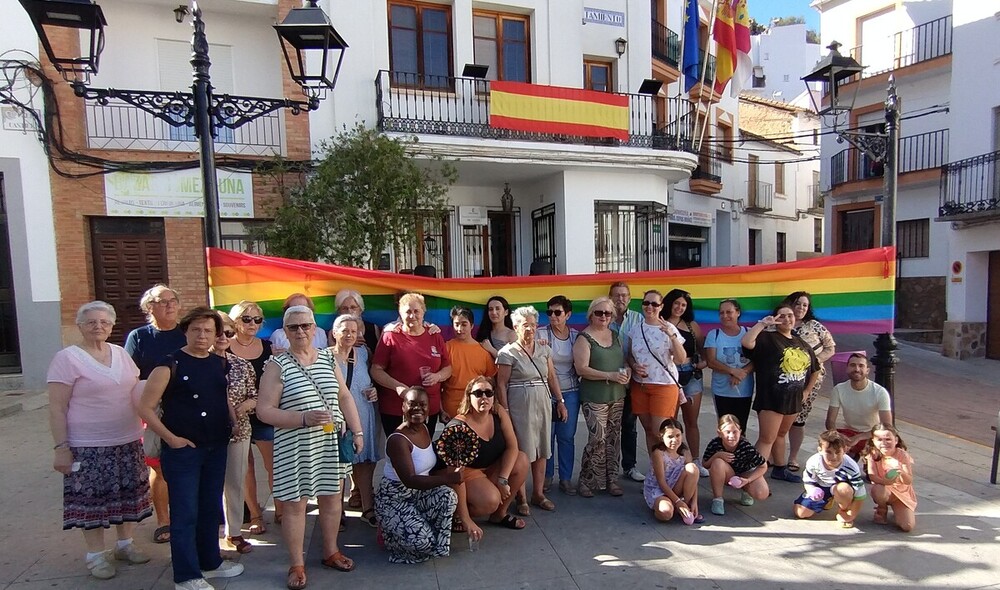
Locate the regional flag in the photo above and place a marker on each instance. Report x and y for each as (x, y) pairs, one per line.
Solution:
(744, 65)
(690, 64)
(552, 109)
(724, 33)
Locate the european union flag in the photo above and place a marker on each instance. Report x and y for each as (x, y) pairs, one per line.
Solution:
(689, 61)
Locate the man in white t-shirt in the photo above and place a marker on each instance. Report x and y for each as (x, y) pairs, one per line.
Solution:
(865, 404)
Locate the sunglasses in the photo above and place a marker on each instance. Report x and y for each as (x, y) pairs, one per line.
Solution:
(297, 327)
(482, 392)
(555, 312)
(651, 304)
(603, 314)
(246, 319)
(229, 333)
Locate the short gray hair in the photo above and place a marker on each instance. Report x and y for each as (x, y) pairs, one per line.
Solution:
(95, 306)
(345, 318)
(146, 301)
(519, 315)
(297, 309)
(345, 294)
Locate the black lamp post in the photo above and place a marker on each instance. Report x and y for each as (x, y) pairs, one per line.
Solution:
(882, 147)
(304, 31)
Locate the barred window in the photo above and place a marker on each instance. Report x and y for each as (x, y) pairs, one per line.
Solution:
(913, 238)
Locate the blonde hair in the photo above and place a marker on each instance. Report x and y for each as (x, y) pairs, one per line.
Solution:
(728, 419)
(242, 307)
(596, 302)
(409, 298)
(465, 406)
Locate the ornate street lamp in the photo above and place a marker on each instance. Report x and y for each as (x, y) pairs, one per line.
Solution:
(307, 31)
(881, 146)
(82, 15)
(620, 44)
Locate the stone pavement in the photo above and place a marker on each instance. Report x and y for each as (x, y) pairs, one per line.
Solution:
(603, 541)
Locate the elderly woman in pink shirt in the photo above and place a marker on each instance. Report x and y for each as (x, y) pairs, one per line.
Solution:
(96, 432)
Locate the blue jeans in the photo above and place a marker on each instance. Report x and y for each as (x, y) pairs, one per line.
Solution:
(563, 436)
(195, 478)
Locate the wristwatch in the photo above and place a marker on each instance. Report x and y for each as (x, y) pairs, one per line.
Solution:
(503, 481)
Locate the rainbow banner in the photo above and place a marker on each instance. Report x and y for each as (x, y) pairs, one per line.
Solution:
(553, 109)
(852, 293)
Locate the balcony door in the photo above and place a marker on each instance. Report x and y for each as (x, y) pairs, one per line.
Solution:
(491, 250)
(753, 166)
(10, 350)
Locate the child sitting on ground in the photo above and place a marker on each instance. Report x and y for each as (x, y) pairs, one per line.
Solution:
(671, 485)
(890, 469)
(830, 477)
(730, 459)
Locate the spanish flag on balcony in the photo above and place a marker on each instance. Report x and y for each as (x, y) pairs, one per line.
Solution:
(552, 109)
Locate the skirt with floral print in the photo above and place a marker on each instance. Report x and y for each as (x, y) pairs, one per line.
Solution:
(416, 524)
(111, 487)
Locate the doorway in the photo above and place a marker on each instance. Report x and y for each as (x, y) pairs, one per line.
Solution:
(993, 308)
(10, 350)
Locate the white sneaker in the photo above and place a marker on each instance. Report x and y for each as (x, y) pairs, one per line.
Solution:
(100, 567)
(635, 475)
(131, 554)
(227, 569)
(195, 584)
(701, 470)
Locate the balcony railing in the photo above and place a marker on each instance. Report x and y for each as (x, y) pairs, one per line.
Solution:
(666, 44)
(462, 108)
(709, 168)
(905, 48)
(971, 187)
(121, 126)
(916, 152)
(815, 197)
(760, 195)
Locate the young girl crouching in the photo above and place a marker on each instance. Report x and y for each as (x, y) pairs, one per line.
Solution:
(671, 485)
(890, 469)
(730, 459)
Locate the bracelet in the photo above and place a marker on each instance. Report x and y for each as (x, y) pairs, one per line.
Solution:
(303, 419)
(561, 401)
(359, 433)
(63, 445)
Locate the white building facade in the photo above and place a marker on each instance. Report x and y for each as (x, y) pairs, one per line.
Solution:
(780, 57)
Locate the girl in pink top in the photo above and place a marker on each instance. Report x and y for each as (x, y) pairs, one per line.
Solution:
(890, 469)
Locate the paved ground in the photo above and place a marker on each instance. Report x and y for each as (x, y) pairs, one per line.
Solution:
(603, 541)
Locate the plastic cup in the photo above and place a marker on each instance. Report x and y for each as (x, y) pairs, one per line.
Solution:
(328, 428)
(473, 544)
(424, 372)
(371, 393)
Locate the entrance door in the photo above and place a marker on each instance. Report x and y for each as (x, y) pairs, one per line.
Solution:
(130, 256)
(502, 244)
(993, 308)
(10, 355)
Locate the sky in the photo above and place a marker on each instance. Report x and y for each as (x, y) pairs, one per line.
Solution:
(764, 10)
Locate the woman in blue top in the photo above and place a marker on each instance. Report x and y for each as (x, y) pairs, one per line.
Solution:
(732, 371)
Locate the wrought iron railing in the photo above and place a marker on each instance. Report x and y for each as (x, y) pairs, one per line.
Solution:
(666, 44)
(709, 168)
(815, 197)
(121, 126)
(630, 237)
(760, 195)
(916, 152)
(462, 108)
(905, 48)
(971, 186)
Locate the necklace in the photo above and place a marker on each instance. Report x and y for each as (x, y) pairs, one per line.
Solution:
(245, 344)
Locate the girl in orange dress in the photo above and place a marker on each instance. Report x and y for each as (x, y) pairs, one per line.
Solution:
(890, 469)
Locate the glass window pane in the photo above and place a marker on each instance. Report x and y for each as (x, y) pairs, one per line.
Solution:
(404, 51)
(435, 20)
(435, 58)
(514, 30)
(486, 55)
(484, 26)
(599, 78)
(403, 16)
(514, 62)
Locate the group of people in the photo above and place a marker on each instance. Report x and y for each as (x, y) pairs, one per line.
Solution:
(317, 405)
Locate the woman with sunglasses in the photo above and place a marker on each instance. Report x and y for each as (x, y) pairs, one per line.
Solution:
(600, 362)
(678, 309)
(561, 337)
(488, 482)
(280, 340)
(248, 317)
(242, 390)
(656, 348)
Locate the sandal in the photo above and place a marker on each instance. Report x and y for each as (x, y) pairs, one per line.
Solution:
(296, 577)
(339, 562)
(257, 526)
(523, 509)
(615, 490)
(354, 501)
(457, 526)
(162, 534)
(545, 504)
(793, 466)
(584, 491)
(369, 517)
(509, 522)
(242, 545)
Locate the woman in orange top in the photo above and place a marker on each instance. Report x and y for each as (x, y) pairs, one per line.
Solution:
(468, 361)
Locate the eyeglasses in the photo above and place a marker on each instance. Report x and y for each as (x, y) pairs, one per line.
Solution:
(603, 314)
(101, 323)
(554, 312)
(246, 319)
(297, 327)
(482, 393)
(166, 302)
(651, 304)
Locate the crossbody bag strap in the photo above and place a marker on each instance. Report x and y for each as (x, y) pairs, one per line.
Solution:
(305, 373)
(537, 370)
(642, 329)
(350, 368)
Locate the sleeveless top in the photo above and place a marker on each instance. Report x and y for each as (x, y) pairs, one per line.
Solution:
(423, 459)
(690, 343)
(259, 362)
(196, 403)
(490, 450)
(608, 359)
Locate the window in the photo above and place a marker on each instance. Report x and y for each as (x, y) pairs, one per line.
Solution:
(781, 242)
(420, 44)
(174, 60)
(857, 229)
(687, 245)
(725, 136)
(431, 248)
(779, 178)
(630, 237)
(785, 78)
(597, 76)
(238, 236)
(754, 246)
(500, 41)
(817, 234)
(543, 239)
(913, 238)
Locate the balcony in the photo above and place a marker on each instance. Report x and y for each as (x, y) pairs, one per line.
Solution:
(760, 196)
(815, 199)
(924, 151)
(121, 126)
(666, 45)
(706, 179)
(905, 48)
(704, 90)
(456, 106)
(970, 189)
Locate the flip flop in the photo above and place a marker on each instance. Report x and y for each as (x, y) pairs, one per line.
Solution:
(162, 534)
(509, 522)
(545, 504)
(523, 509)
(296, 577)
(339, 562)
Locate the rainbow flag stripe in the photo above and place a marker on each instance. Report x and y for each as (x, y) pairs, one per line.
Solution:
(852, 293)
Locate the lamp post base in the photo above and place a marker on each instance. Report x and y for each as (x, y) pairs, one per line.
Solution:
(885, 361)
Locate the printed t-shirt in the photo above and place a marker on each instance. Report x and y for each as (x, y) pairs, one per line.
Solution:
(402, 355)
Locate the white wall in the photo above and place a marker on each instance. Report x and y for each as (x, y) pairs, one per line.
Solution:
(783, 52)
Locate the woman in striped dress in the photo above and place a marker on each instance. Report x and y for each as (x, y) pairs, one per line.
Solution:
(301, 395)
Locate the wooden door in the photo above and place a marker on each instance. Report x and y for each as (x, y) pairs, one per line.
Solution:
(10, 350)
(993, 308)
(501, 235)
(130, 256)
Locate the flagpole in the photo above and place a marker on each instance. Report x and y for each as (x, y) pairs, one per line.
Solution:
(680, 82)
(701, 80)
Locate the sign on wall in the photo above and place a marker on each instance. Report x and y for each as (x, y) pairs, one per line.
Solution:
(176, 194)
(603, 17)
(691, 217)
